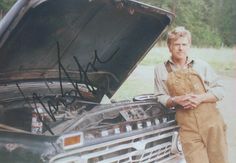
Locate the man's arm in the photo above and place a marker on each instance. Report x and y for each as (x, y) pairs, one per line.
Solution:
(160, 89)
(190, 101)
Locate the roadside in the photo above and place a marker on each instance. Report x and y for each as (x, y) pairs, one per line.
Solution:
(227, 108)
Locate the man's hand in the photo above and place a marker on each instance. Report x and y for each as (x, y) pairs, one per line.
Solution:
(186, 101)
(191, 101)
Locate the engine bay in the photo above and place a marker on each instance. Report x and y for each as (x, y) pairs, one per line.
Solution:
(52, 115)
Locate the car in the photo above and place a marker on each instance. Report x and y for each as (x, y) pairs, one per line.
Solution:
(58, 60)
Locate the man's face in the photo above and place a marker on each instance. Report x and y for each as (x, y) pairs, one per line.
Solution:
(179, 48)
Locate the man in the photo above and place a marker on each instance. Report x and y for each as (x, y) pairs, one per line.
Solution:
(192, 88)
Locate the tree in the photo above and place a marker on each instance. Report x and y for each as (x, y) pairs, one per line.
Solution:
(5, 6)
(212, 22)
(225, 21)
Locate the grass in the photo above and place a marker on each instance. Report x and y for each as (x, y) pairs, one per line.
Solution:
(223, 60)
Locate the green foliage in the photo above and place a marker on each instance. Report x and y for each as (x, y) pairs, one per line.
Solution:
(211, 22)
(204, 36)
(6, 4)
(226, 21)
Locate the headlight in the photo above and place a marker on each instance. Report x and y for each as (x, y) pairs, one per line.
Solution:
(176, 144)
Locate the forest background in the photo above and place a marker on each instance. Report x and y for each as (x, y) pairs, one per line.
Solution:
(212, 22)
(213, 27)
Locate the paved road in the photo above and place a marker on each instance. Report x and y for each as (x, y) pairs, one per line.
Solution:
(228, 110)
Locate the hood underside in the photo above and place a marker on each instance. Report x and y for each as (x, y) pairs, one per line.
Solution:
(95, 41)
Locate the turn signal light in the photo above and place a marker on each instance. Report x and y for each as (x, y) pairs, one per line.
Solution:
(71, 140)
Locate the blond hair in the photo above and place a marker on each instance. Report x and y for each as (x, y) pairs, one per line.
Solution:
(176, 33)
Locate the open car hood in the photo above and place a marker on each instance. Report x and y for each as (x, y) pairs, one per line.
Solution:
(98, 42)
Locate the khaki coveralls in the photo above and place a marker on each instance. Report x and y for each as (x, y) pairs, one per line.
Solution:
(202, 130)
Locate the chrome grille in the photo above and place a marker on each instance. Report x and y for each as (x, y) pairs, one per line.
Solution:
(152, 146)
(146, 155)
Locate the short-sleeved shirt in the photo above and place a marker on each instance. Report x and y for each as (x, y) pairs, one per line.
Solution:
(211, 81)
